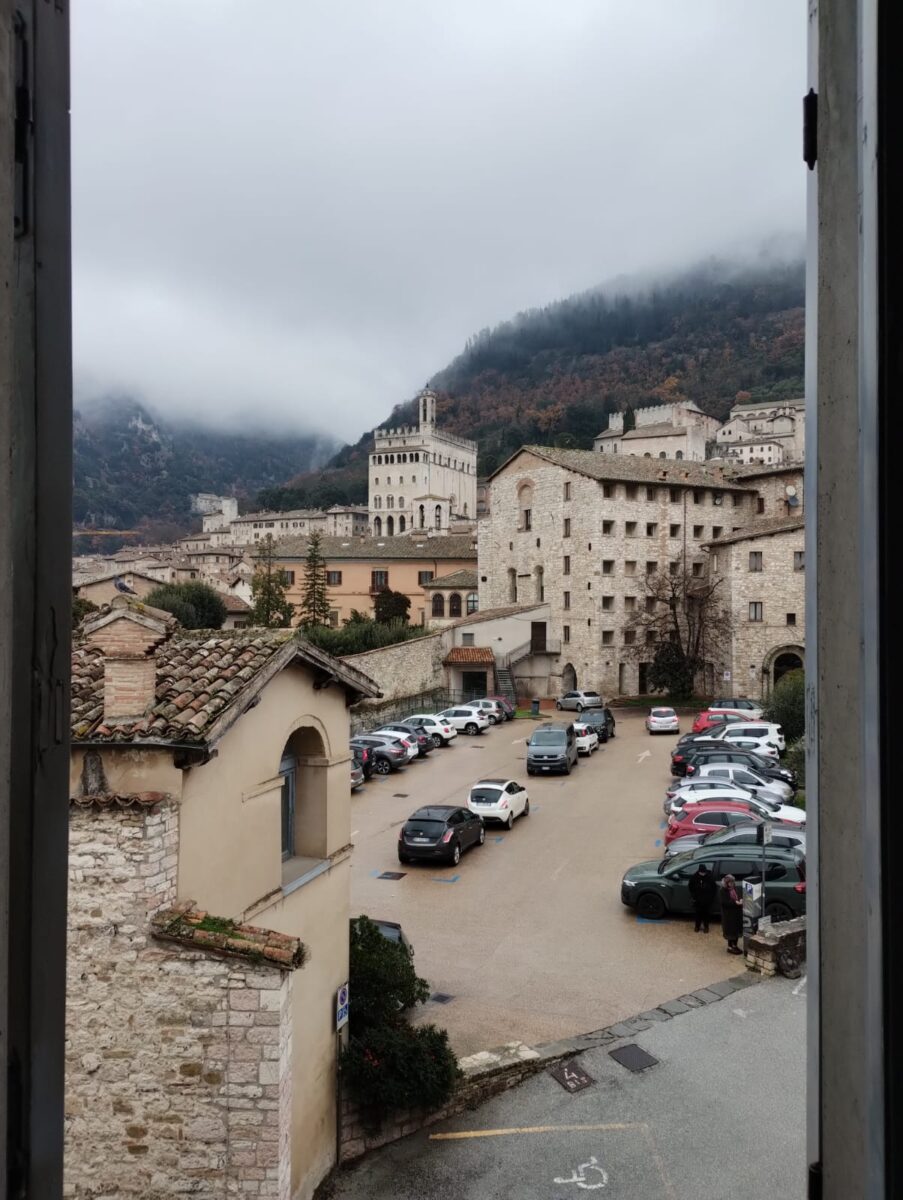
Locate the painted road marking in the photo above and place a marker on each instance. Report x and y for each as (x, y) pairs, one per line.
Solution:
(486, 1133)
(652, 921)
(453, 879)
(498, 839)
(559, 869)
(375, 874)
(663, 825)
(646, 754)
(355, 832)
(658, 841)
(579, 1176)
(518, 741)
(798, 990)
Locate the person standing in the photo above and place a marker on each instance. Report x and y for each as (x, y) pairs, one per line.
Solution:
(731, 914)
(702, 892)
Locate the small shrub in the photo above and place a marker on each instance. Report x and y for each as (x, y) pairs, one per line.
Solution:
(196, 605)
(795, 759)
(383, 981)
(399, 1067)
(787, 705)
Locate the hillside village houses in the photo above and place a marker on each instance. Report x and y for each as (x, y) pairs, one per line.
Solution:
(210, 845)
(678, 431)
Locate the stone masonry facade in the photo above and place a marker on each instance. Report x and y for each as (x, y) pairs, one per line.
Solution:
(178, 1077)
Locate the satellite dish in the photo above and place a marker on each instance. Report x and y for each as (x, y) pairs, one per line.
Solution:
(792, 501)
(790, 490)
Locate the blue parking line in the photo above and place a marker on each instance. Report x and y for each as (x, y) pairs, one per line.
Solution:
(663, 825)
(375, 874)
(453, 879)
(650, 921)
(498, 839)
(658, 841)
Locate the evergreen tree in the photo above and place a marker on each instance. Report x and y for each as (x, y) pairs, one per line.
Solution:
(270, 608)
(314, 601)
(390, 608)
(195, 604)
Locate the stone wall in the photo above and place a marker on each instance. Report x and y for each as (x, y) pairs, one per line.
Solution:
(178, 1073)
(405, 669)
(766, 947)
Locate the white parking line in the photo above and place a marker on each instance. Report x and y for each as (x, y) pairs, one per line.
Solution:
(798, 990)
(559, 869)
(355, 832)
(646, 754)
(517, 741)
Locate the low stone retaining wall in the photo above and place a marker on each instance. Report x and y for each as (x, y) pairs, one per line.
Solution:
(766, 947)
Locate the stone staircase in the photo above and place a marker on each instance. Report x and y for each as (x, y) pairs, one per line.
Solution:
(504, 681)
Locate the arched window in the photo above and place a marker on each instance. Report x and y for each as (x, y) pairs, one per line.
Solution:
(303, 794)
(390, 526)
(473, 602)
(539, 591)
(679, 454)
(377, 526)
(512, 585)
(390, 501)
(421, 515)
(438, 604)
(454, 605)
(465, 508)
(377, 501)
(647, 455)
(404, 458)
(401, 525)
(401, 501)
(525, 506)
(662, 454)
(438, 516)
(416, 458)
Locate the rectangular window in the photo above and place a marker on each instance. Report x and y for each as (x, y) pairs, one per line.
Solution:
(755, 560)
(422, 577)
(566, 565)
(717, 531)
(608, 603)
(674, 495)
(674, 531)
(760, 504)
(650, 636)
(651, 529)
(608, 637)
(567, 600)
(650, 493)
(334, 578)
(567, 491)
(650, 604)
(527, 518)
(698, 531)
(629, 637)
(630, 491)
(799, 560)
(629, 566)
(467, 639)
(379, 580)
(288, 576)
(791, 618)
(608, 526)
(697, 570)
(714, 562)
(630, 603)
(756, 610)
(567, 526)
(738, 499)
(565, 633)
(698, 496)
(673, 567)
(630, 528)
(334, 618)
(651, 567)
(608, 566)
(287, 771)
(608, 490)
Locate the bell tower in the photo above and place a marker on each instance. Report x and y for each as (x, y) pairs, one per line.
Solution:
(427, 410)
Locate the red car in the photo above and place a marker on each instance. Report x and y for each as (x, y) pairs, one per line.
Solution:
(506, 705)
(707, 817)
(707, 720)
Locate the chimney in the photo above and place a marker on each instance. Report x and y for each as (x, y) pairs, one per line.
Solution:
(127, 634)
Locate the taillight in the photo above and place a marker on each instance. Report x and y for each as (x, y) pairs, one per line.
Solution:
(448, 835)
(504, 804)
(800, 887)
(691, 770)
(678, 757)
(401, 834)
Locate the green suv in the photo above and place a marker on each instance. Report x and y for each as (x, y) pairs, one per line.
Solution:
(660, 886)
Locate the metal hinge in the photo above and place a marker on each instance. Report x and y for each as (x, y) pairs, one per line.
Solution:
(22, 134)
(810, 129)
(814, 1192)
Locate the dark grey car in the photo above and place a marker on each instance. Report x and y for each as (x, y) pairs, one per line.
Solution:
(440, 831)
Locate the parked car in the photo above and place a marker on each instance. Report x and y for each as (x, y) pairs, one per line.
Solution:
(764, 731)
(357, 776)
(578, 701)
(442, 732)
(712, 720)
(663, 720)
(407, 744)
(704, 817)
(422, 740)
(507, 707)
(660, 886)
(602, 720)
(783, 836)
(552, 747)
(740, 775)
(764, 807)
(439, 831)
(587, 739)
(499, 800)
(466, 720)
(737, 704)
(492, 709)
(709, 789)
(386, 757)
(393, 932)
(717, 752)
(363, 758)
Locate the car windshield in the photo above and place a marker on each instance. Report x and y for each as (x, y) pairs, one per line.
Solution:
(548, 737)
(676, 861)
(429, 828)
(486, 793)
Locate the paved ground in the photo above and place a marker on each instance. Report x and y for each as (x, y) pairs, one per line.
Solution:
(528, 933)
(713, 1119)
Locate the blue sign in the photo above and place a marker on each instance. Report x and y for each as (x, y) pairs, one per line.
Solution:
(341, 1006)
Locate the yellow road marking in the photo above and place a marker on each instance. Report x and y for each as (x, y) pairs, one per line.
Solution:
(483, 1133)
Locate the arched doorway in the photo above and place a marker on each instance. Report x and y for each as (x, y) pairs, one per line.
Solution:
(401, 524)
(390, 526)
(781, 661)
(378, 526)
(421, 513)
(568, 677)
(302, 770)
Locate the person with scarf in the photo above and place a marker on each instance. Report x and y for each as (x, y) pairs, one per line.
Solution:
(702, 893)
(731, 914)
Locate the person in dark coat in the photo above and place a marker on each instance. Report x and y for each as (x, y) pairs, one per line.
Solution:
(702, 892)
(731, 914)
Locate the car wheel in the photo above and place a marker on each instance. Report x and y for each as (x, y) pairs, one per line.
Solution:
(493, 720)
(383, 767)
(567, 768)
(529, 771)
(471, 729)
(456, 854)
(436, 740)
(579, 707)
(651, 906)
(403, 858)
(558, 705)
(778, 911)
(509, 824)
(482, 838)
(527, 807)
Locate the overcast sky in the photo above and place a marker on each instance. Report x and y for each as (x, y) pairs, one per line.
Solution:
(295, 211)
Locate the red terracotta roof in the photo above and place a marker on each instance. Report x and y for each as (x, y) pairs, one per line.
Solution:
(234, 604)
(469, 655)
(191, 927)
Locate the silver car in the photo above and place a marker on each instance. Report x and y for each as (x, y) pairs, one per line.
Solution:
(745, 777)
(784, 836)
(491, 708)
(578, 701)
(396, 739)
(703, 789)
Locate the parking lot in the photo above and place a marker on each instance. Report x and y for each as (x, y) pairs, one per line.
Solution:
(527, 935)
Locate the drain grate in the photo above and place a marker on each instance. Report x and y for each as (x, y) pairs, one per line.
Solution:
(399, 795)
(392, 875)
(633, 1057)
(441, 998)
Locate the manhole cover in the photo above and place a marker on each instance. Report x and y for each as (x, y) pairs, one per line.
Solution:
(392, 875)
(633, 1057)
(441, 998)
(572, 1077)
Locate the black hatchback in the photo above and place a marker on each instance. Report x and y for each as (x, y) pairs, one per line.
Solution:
(440, 831)
(601, 721)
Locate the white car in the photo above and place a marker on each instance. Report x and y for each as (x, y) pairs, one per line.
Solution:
(587, 739)
(740, 704)
(759, 745)
(491, 708)
(663, 720)
(499, 800)
(752, 729)
(763, 809)
(398, 739)
(702, 790)
(440, 731)
(750, 780)
(465, 720)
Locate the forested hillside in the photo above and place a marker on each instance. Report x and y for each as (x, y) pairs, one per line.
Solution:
(554, 374)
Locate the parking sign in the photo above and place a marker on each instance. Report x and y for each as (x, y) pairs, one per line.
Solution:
(341, 1007)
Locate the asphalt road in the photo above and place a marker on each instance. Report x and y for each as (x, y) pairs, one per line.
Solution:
(722, 1114)
(528, 933)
